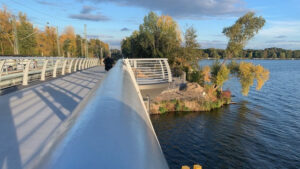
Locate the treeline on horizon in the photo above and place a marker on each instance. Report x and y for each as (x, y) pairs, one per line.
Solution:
(32, 41)
(268, 53)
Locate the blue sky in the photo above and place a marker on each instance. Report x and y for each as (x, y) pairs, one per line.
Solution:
(112, 20)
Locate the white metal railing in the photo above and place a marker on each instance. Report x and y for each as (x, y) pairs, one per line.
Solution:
(151, 70)
(112, 127)
(23, 70)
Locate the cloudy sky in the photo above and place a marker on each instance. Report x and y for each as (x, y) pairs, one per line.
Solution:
(112, 20)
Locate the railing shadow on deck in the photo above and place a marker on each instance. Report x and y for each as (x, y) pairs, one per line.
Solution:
(28, 118)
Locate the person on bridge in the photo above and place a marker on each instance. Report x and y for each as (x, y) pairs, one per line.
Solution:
(109, 62)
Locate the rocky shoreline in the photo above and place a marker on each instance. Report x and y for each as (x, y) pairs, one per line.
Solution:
(189, 97)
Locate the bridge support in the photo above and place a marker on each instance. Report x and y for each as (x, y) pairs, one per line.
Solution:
(43, 74)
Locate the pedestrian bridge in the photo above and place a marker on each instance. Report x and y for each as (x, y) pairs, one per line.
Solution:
(70, 113)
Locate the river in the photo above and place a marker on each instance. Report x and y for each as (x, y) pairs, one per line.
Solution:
(261, 131)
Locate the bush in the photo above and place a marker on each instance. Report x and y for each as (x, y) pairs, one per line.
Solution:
(162, 110)
(196, 76)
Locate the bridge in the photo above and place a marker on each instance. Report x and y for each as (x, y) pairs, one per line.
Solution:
(70, 113)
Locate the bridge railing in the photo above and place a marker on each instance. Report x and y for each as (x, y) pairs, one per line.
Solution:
(150, 70)
(111, 129)
(23, 70)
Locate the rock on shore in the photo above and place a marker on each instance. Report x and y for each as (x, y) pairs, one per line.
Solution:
(188, 97)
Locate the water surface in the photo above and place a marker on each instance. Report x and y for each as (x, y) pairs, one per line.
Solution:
(261, 131)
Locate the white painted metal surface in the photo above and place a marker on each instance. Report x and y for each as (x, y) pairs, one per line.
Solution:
(23, 70)
(151, 71)
(112, 131)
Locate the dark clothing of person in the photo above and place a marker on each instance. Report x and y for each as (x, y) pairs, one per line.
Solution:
(109, 62)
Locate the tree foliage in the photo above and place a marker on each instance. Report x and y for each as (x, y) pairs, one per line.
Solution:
(241, 32)
(33, 41)
(158, 36)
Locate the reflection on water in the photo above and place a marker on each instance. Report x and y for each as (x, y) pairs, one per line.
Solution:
(260, 131)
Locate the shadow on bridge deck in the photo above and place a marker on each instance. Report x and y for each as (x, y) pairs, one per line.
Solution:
(29, 117)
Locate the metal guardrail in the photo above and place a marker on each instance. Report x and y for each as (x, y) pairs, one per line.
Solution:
(23, 70)
(110, 130)
(150, 70)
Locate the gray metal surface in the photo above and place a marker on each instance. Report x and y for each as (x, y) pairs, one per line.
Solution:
(29, 118)
(113, 131)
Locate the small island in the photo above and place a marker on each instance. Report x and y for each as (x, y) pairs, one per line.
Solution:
(160, 37)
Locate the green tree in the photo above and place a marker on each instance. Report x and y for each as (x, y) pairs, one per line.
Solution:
(26, 36)
(241, 32)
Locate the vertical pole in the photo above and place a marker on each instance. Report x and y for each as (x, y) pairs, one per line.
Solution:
(43, 75)
(16, 43)
(86, 44)
(81, 46)
(57, 42)
(25, 73)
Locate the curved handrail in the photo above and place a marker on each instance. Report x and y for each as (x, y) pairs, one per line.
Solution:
(23, 70)
(113, 130)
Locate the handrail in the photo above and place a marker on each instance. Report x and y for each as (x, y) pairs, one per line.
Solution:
(111, 130)
(23, 70)
(150, 70)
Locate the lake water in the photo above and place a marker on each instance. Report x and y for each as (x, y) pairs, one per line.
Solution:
(261, 131)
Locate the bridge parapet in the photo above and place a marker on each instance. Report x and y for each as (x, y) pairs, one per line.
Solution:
(153, 75)
(23, 70)
(150, 70)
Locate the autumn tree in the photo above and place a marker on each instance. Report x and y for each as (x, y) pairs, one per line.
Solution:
(241, 32)
(46, 40)
(68, 42)
(6, 35)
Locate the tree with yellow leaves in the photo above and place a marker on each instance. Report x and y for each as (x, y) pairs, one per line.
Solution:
(47, 42)
(68, 42)
(6, 35)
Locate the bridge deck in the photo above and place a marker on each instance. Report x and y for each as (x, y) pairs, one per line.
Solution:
(30, 116)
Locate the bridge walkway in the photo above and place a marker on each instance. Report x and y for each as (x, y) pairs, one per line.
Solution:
(29, 117)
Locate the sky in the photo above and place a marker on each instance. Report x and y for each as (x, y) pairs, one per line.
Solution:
(113, 20)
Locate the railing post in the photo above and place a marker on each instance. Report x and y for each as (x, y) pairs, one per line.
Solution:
(2, 62)
(55, 68)
(134, 64)
(168, 70)
(64, 67)
(43, 74)
(25, 73)
(75, 66)
(70, 66)
(83, 64)
(162, 69)
(80, 62)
